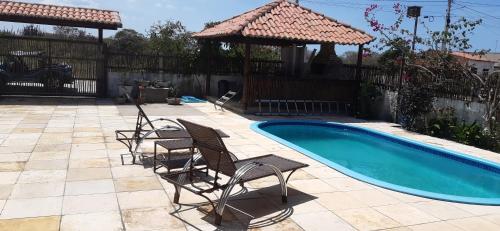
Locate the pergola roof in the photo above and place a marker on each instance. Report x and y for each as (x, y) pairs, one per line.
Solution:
(283, 20)
(59, 15)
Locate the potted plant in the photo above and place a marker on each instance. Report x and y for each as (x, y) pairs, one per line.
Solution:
(172, 96)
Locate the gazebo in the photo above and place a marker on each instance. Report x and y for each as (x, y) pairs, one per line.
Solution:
(23, 12)
(282, 23)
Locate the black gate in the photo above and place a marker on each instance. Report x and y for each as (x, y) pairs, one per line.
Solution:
(48, 66)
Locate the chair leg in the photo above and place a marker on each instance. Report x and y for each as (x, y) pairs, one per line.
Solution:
(176, 196)
(218, 219)
(284, 199)
(154, 160)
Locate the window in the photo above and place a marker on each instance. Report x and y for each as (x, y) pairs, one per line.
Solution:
(473, 70)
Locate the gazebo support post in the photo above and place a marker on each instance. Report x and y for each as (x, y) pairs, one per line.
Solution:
(246, 76)
(359, 64)
(100, 35)
(209, 67)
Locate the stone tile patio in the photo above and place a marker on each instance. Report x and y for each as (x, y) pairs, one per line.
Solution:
(60, 169)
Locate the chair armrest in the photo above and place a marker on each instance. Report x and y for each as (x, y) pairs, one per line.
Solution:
(177, 125)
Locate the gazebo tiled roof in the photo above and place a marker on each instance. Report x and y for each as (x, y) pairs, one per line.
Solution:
(283, 20)
(58, 15)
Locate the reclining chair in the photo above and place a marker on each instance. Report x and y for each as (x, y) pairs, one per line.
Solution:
(218, 159)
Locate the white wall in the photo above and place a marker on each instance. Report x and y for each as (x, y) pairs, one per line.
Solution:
(481, 65)
(185, 84)
(384, 108)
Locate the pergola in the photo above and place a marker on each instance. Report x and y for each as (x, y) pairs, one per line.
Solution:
(282, 23)
(22, 12)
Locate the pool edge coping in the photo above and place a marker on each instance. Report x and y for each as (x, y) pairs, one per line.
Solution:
(416, 192)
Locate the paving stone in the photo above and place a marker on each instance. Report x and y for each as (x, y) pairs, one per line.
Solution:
(92, 154)
(12, 166)
(46, 165)
(150, 219)
(474, 223)
(339, 201)
(131, 171)
(80, 174)
(89, 187)
(9, 177)
(442, 210)
(89, 163)
(143, 199)
(45, 189)
(406, 214)
(137, 184)
(367, 219)
(50, 223)
(33, 207)
(321, 221)
(55, 155)
(109, 221)
(435, 226)
(39, 176)
(89, 203)
(5, 190)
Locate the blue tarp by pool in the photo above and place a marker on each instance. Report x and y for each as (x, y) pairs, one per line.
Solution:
(191, 99)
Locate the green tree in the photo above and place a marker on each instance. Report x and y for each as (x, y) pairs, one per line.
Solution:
(128, 41)
(351, 57)
(31, 30)
(71, 32)
(431, 68)
(171, 38)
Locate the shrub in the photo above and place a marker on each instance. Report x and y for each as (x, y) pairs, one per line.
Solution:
(445, 125)
(415, 103)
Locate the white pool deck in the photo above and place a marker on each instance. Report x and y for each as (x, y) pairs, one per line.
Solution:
(60, 169)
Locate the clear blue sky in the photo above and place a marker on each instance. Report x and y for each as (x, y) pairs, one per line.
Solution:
(140, 14)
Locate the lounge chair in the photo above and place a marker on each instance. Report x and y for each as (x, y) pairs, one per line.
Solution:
(218, 159)
(145, 129)
(224, 99)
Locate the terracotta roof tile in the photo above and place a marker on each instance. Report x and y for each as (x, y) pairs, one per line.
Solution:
(284, 20)
(23, 12)
(472, 56)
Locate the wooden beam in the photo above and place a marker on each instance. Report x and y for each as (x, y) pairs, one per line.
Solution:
(246, 76)
(359, 64)
(100, 39)
(264, 41)
(59, 22)
(209, 67)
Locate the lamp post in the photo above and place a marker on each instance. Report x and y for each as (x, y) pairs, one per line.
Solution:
(414, 12)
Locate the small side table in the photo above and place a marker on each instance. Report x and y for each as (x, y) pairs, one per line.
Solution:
(173, 161)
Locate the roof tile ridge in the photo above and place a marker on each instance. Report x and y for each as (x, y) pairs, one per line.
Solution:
(270, 6)
(335, 20)
(42, 4)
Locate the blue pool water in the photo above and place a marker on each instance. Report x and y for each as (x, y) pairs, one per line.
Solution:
(191, 99)
(391, 162)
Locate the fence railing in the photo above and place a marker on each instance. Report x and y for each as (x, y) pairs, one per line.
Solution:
(30, 61)
(156, 63)
(458, 88)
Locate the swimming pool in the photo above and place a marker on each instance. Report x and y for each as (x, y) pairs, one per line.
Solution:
(391, 162)
(191, 99)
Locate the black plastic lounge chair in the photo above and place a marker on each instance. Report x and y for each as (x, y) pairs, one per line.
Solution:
(222, 162)
(145, 129)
